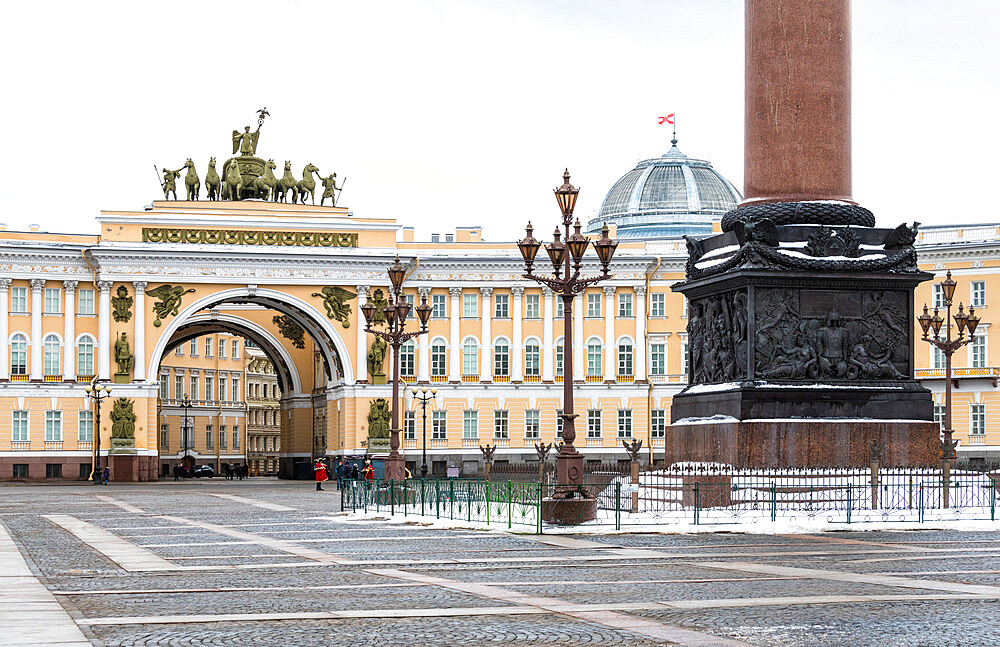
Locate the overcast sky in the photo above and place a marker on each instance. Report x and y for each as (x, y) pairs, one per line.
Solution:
(445, 114)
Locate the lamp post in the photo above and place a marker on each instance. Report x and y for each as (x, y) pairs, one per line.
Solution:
(97, 392)
(424, 398)
(395, 313)
(186, 431)
(931, 326)
(567, 282)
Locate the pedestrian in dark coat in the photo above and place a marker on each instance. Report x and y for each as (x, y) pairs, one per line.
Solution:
(106, 475)
(354, 471)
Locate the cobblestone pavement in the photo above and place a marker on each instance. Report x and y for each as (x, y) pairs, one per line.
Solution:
(273, 562)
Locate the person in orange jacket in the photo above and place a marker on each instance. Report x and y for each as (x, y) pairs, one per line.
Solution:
(320, 469)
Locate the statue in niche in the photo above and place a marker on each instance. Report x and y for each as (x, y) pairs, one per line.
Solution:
(376, 357)
(378, 420)
(123, 357)
(379, 301)
(122, 419)
(122, 304)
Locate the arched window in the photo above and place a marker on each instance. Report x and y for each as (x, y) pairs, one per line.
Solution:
(51, 356)
(501, 357)
(439, 364)
(470, 357)
(407, 358)
(594, 356)
(559, 356)
(19, 354)
(625, 356)
(532, 357)
(85, 356)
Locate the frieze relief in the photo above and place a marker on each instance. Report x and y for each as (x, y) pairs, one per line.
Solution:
(717, 337)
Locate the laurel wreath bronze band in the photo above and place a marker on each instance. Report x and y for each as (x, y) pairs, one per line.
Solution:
(236, 237)
(801, 213)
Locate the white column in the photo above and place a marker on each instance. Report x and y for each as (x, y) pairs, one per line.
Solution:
(640, 349)
(579, 370)
(609, 334)
(104, 330)
(548, 345)
(454, 336)
(517, 368)
(485, 366)
(424, 360)
(37, 285)
(4, 331)
(139, 371)
(361, 362)
(69, 331)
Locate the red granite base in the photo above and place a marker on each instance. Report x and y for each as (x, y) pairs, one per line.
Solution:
(569, 512)
(130, 468)
(806, 443)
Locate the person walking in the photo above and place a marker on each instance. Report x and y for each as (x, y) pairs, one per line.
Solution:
(340, 472)
(354, 471)
(177, 472)
(320, 469)
(105, 476)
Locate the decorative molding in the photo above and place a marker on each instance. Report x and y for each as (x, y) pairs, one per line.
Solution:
(140, 286)
(640, 290)
(609, 290)
(104, 286)
(37, 284)
(455, 292)
(243, 237)
(487, 292)
(70, 286)
(5, 284)
(516, 291)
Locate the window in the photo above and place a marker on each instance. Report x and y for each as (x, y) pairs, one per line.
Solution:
(85, 302)
(625, 304)
(470, 425)
(209, 387)
(410, 299)
(977, 420)
(501, 358)
(407, 359)
(51, 355)
(437, 306)
(53, 426)
(658, 423)
(559, 423)
(164, 386)
(51, 301)
(409, 425)
(684, 357)
(937, 295)
(178, 386)
(20, 470)
(625, 357)
(439, 365)
(164, 435)
(560, 308)
(236, 437)
(532, 358)
(236, 389)
(939, 415)
(209, 437)
(19, 354)
(469, 305)
(85, 426)
(559, 357)
(532, 306)
(937, 357)
(19, 427)
(208, 347)
(594, 304)
(977, 351)
(194, 347)
(594, 357)
(19, 299)
(194, 387)
(658, 359)
(658, 304)
(594, 423)
(53, 470)
(470, 357)
(222, 349)
(439, 425)
(501, 421)
(684, 307)
(501, 306)
(222, 384)
(85, 356)
(179, 352)
(532, 423)
(624, 423)
(236, 349)
(978, 299)
(222, 436)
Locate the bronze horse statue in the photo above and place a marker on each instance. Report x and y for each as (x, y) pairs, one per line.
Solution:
(212, 181)
(285, 185)
(232, 186)
(306, 185)
(191, 180)
(266, 185)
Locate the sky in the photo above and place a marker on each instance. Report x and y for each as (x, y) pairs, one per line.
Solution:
(446, 114)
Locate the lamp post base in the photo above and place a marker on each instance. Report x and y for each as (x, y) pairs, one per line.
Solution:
(569, 511)
(395, 468)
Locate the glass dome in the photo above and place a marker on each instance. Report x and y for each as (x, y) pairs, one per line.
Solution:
(667, 196)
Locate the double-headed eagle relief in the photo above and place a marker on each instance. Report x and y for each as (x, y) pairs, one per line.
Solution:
(248, 177)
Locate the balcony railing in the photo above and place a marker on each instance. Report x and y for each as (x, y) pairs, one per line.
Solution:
(657, 441)
(53, 445)
(595, 442)
(87, 445)
(439, 378)
(532, 378)
(977, 439)
(595, 378)
(53, 378)
(988, 372)
(501, 442)
(410, 379)
(470, 378)
(501, 378)
(624, 379)
(559, 378)
(439, 443)
(21, 377)
(470, 442)
(409, 443)
(84, 378)
(20, 445)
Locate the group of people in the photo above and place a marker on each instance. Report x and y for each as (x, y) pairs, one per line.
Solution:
(235, 471)
(345, 470)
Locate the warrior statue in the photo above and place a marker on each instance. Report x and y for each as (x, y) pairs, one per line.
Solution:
(123, 355)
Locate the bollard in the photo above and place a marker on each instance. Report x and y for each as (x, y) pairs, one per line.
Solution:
(848, 505)
(510, 505)
(635, 484)
(945, 483)
(774, 502)
(618, 505)
(874, 483)
(697, 503)
(437, 498)
(451, 499)
(920, 510)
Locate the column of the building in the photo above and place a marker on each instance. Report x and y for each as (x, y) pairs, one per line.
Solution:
(517, 370)
(548, 347)
(361, 361)
(139, 372)
(4, 330)
(69, 331)
(37, 285)
(640, 334)
(424, 361)
(609, 333)
(454, 343)
(104, 330)
(578, 341)
(485, 367)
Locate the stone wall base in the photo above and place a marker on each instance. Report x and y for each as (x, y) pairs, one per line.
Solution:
(803, 444)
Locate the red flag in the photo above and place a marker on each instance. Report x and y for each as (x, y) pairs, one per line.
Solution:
(669, 119)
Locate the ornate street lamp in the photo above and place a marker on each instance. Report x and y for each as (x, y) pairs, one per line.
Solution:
(424, 398)
(570, 501)
(931, 326)
(186, 431)
(97, 392)
(395, 313)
